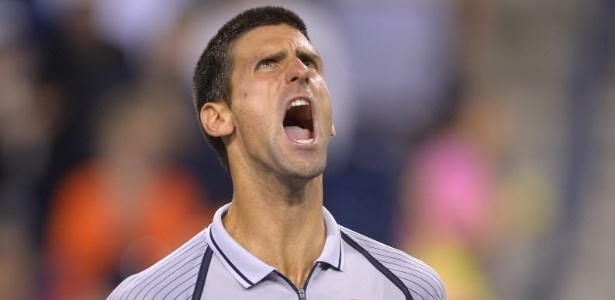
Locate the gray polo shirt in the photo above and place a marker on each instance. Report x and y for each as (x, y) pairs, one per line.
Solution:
(351, 266)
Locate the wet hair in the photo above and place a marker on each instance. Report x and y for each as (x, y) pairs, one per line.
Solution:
(211, 81)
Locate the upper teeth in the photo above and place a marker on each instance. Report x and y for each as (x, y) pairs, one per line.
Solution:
(298, 102)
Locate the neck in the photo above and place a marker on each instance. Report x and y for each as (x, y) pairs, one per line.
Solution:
(281, 226)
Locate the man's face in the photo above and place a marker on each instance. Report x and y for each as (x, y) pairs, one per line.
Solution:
(280, 105)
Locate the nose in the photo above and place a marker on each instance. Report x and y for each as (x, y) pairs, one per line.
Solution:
(297, 72)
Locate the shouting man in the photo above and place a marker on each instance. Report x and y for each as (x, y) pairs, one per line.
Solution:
(264, 107)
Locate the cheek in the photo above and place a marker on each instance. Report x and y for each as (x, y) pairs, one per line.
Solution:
(254, 92)
(252, 117)
(327, 106)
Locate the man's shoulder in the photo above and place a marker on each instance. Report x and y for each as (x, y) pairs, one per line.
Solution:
(173, 276)
(417, 276)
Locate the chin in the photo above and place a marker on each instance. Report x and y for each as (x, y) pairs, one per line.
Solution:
(303, 173)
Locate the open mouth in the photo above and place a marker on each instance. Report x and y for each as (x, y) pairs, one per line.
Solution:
(298, 122)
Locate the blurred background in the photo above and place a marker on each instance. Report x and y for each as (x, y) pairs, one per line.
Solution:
(476, 135)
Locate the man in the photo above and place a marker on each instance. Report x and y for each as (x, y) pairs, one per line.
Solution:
(264, 107)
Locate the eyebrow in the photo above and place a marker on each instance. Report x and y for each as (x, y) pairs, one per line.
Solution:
(301, 54)
(276, 56)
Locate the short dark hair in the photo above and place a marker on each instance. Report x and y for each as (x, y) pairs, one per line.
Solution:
(212, 76)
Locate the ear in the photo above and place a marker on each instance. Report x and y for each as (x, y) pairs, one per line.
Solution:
(217, 119)
(332, 130)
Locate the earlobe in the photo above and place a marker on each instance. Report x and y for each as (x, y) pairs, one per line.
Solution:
(217, 119)
(332, 130)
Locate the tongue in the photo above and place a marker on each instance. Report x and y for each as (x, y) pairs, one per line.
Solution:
(297, 133)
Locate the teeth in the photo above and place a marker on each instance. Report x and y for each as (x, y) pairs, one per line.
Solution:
(305, 141)
(298, 102)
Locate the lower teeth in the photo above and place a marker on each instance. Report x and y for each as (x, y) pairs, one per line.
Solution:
(305, 141)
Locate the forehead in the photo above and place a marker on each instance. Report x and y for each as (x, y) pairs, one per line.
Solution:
(271, 38)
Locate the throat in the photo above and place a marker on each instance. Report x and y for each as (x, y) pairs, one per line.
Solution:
(297, 275)
(290, 240)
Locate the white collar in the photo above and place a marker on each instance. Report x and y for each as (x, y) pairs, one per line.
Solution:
(248, 269)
